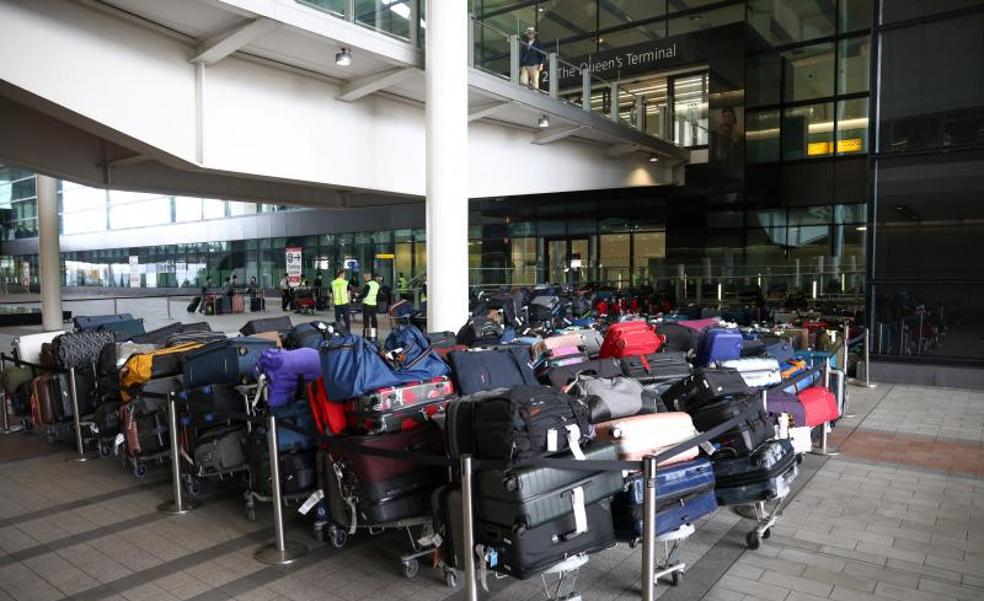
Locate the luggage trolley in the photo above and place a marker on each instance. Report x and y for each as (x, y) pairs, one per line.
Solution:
(420, 546)
(193, 481)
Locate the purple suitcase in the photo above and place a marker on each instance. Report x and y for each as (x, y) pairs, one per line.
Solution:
(282, 368)
(779, 401)
(718, 344)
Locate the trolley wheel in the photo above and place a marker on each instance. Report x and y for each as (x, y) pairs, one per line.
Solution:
(767, 533)
(338, 537)
(140, 470)
(451, 578)
(676, 578)
(752, 540)
(410, 568)
(633, 543)
(250, 511)
(194, 487)
(799, 459)
(105, 449)
(320, 513)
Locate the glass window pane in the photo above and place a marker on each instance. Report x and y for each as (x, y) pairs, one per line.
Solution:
(808, 131)
(762, 136)
(332, 6)
(852, 126)
(690, 110)
(855, 15)
(901, 10)
(679, 5)
(854, 57)
(809, 72)
(619, 12)
(788, 21)
(392, 17)
(559, 19)
(707, 19)
(763, 77)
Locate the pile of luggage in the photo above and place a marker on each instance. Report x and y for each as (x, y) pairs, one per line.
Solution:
(527, 388)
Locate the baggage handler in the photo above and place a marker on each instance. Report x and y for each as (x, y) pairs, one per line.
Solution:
(369, 294)
(340, 298)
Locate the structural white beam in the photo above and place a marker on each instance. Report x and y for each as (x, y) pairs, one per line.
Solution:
(124, 161)
(49, 261)
(359, 88)
(486, 110)
(620, 150)
(554, 134)
(217, 47)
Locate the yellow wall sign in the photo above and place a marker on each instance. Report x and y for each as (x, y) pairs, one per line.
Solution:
(843, 147)
(385, 256)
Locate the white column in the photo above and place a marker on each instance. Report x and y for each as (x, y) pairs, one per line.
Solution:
(447, 164)
(49, 250)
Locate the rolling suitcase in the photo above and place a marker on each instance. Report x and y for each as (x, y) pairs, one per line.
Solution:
(743, 438)
(656, 367)
(673, 482)
(124, 330)
(531, 496)
(214, 363)
(718, 344)
(85, 323)
(477, 371)
(705, 386)
(819, 406)
(630, 338)
(670, 515)
(257, 303)
(762, 476)
(398, 408)
(757, 372)
(563, 375)
(268, 324)
(297, 467)
(44, 409)
(193, 305)
(643, 435)
(523, 552)
(80, 349)
(238, 303)
(158, 336)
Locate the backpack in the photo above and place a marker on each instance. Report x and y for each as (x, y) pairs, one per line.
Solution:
(480, 330)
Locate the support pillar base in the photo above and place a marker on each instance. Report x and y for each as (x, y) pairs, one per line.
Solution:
(273, 556)
(171, 508)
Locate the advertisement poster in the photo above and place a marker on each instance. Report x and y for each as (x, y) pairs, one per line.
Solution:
(134, 271)
(293, 256)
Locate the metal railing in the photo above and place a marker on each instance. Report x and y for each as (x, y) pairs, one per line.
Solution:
(402, 19)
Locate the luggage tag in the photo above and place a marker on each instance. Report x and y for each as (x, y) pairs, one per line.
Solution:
(311, 502)
(580, 515)
(117, 443)
(708, 447)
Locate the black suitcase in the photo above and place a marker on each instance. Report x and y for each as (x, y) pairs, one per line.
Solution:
(193, 305)
(532, 496)
(267, 324)
(124, 330)
(705, 386)
(762, 476)
(562, 375)
(523, 553)
(307, 335)
(257, 303)
(743, 438)
(297, 467)
(214, 363)
(477, 371)
(160, 335)
(85, 323)
(106, 418)
(656, 367)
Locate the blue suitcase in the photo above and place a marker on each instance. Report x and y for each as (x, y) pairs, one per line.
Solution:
(84, 323)
(214, 363)
(124, 330)
(295, 426)
(718, 344)
(248, 350)
(682, 511)
(672, 482)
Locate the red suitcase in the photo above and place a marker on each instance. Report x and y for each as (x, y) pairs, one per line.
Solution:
(819, 405)
(630, 338)
(398, 408)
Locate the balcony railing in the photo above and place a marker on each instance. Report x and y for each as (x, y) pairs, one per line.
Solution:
(402, 19)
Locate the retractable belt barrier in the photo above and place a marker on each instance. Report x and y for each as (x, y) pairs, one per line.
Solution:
(56, 370)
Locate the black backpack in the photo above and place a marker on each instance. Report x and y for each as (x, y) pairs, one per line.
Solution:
(480, 330)
(514, 424)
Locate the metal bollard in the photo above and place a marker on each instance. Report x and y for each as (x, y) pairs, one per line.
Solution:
(178, 506)
(826, 425)
(77, 420)
(167, 301)
(468, 528)
(649, 530)
(847, 337)
(5, 405)
(282, 551)
(866, 361)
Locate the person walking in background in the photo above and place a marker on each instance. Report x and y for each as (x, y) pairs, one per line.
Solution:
(369, 294)
(531, 59)
(340, 298)
(284, 293)
(401, 286)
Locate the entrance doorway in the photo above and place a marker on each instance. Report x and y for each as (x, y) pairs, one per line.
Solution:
(567, 260)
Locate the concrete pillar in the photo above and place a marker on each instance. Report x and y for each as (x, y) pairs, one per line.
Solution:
(446, 84)
(49, 251)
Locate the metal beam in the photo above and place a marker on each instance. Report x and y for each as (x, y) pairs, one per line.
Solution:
(553, 135)
(486, 110)
(358, 88)
(217, 47)
(620, 150)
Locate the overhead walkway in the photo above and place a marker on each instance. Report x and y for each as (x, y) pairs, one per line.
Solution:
(251, 99)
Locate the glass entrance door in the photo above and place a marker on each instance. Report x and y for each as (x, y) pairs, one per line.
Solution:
(567, 261)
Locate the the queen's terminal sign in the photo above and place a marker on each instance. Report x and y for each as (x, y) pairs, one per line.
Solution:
(608, 65)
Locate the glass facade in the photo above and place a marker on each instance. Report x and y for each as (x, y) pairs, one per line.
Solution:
(926, 209)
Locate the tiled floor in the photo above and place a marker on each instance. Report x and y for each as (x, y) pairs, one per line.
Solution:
(899, 515)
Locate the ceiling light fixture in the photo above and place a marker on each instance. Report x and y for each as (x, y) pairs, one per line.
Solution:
(654, 158)
(343, 58)
(543, 122)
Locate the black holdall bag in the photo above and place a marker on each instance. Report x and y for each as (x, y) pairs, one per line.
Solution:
(656, 367)
(560, 376)
(528, 422)
(678, 338)
(475, 371)
(705, 386)
(268, 324)
(480, 330)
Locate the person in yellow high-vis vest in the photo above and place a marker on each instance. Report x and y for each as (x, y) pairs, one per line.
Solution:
(369, 294)
(340, 298)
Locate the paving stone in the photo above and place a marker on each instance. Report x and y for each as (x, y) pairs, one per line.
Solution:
(903, 594)
(797, 583)
(858, 583)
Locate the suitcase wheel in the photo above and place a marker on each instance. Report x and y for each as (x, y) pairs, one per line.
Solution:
(140, 470)
(451, 578)
(753, 540)
(194, 487)
(337, 536)
(105, 449)
(410, 568)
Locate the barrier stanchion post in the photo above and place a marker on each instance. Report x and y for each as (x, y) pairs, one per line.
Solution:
(649, 529)
(282, 551)
(468, 528)
(178, 506)
(867, 362)
(73, 393)
(825, 427)
(167, 301)
(846, 351)
(5, 405)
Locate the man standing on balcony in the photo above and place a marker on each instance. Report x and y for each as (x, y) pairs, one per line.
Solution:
(531, 59)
